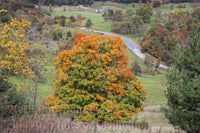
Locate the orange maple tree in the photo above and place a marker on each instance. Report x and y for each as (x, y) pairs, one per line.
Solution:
(93, 77)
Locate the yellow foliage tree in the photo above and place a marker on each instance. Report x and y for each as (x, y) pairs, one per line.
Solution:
(13, 48)
(79, 22)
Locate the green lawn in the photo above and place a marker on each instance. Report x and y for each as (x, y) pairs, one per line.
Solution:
(95, 18)
(106, 26)
(155, 87)
(98, 5)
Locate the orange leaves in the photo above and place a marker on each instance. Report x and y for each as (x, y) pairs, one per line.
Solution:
(78, 37)
(90, 56)
(93, 80)
(112, 107)
(140, 86)
(99, 97)
(61, 74)
(111, 88)
(94, 107)
(118, 114)
(92, 63)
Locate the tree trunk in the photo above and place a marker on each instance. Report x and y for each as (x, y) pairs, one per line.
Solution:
(35, 96)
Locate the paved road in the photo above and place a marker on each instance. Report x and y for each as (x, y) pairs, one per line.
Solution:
(129, 43)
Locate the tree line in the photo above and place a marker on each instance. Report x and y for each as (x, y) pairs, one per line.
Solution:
(90, 2)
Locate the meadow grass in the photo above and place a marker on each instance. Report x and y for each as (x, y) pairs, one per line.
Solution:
(155, 86)
(106, 26)
(98, 5)
(95, 18)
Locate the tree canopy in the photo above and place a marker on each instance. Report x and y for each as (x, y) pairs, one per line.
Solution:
(93, 77)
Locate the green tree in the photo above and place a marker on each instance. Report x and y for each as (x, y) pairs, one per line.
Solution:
(69, 34)
(137, 20)
(10, 95)
(69, 22)
(149, 61)
(183, 90)
(136, 69)
(88, 23)
(156, 3)
(57, 32)
(145, 13)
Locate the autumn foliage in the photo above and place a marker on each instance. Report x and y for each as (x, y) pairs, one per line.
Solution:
(13, 48)
(160, 41)
(93, 77)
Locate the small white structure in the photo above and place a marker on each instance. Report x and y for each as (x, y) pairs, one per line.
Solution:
(99, 11)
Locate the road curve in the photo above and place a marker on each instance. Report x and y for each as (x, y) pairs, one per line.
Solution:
(129, 43)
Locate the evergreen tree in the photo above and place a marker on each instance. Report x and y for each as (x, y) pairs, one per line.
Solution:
(183, 91)
(88, 23)
(10, 96)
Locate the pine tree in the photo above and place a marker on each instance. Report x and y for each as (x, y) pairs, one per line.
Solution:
(88, 23)
(183, 91)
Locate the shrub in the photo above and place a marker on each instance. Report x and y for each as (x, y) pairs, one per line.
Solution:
(9, 95)
(136, 69)
(88, 23)
(156, 3)
(69, 34)
(69, 22)
(149, 62)
(62, 20)
(57, 32)
(79, 23)
(72, 18)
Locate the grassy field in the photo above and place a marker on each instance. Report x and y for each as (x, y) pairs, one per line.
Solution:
(98, 5)
(155, 87)
(105, 26)
(95, 18)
